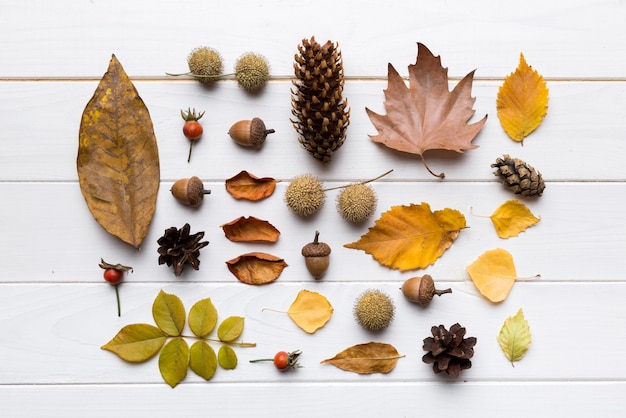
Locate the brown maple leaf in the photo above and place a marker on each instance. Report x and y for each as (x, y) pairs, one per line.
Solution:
(426, 115)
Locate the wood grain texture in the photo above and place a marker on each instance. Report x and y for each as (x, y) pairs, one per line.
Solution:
(56, 310)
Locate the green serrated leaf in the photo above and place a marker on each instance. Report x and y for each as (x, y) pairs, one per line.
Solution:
(202, 317)
(136, 342)
(514, 337)
(227, 358)
(202, 360)
(174, 361)
(230, 328)
(169, 313)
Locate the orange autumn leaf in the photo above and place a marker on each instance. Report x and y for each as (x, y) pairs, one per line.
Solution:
(493, 274)
(250, 229)
(512, 218)
(411, 237)
(310, 311)
(522, 101)
(247, 186)
(426, 115)
(256, 267)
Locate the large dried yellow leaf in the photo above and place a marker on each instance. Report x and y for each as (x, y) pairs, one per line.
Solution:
(367, 358)
(522, 101)
(411, 237)
(310, 311)
(514, 337)
(118, 159)
(512, 218)
(493, 274)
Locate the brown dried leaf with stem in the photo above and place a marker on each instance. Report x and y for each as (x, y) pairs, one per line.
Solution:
(118, 158)
(373, 357)
(247, 186)
(426, 115)
(250, 229)
(256, 267)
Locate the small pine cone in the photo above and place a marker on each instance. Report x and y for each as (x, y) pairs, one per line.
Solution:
(322, 115)
(177, 248)
(519, 177)
(448, 351)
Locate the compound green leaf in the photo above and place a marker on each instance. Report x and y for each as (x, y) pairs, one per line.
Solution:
(169, 313)
(202, 317)
(230, 329)
(136, 343)
(514, 337)
(227, 358)
(202, 360)
(174, 361)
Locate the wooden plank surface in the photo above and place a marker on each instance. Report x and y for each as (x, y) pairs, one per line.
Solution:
(56, 311)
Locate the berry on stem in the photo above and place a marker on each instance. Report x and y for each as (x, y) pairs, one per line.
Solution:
(114, 274)
(283, 360)
(192, 128)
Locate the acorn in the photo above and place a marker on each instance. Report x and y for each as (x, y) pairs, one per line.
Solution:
(374, 310)
(189, 191)
(316, 256)
(421, 290)
(305, 195)
(249, 133)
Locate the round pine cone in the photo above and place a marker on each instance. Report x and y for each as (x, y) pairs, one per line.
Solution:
(448, 351)
(177, 248)
(519, 177)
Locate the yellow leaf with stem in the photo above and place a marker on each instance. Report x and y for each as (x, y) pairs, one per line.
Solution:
(512, 218)
(493, 274)
(514, 337)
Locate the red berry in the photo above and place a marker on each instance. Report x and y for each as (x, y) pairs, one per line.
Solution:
(281, 360)
(192, 130)
(113, 276)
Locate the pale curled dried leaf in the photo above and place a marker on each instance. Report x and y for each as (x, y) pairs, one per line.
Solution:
(373, 357)
(310, 311)
(512, 218)
(411, 237)
(514, 337)
(118, 158)
(256, 268)
(426, 115)
(247, 186)
(250, 229)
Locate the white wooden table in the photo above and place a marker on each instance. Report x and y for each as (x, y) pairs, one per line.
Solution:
(56, 311)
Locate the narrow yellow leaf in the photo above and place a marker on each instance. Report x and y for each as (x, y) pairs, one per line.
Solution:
(514, 337)
(493, 274)
(512, 218)
(310, 311)
(373, 357)
(522, 101)
(136, 342)
(174, 361)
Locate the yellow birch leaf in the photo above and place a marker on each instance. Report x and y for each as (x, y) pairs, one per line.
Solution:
(310, 311)
(372, 357)
(118, 158)
(169, 313)
(522, 101)
(136, 343)
(493, 274)
(411, 237)
(512, 218)
(174, 361)
(514, 337)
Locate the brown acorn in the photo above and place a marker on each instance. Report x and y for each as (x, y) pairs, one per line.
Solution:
(189, 191)
(421, 290)
(316, 256)
(249, 133)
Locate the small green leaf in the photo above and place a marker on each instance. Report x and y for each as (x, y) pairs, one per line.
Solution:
(514, 337)
(174, 361)
(230, 329)
(202, 317)
(202, 359)
(136, 343)
(169, 313)
(227, 357)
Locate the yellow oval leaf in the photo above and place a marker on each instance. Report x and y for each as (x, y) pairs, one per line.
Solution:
(136, 342)
(256, 267)
(227, 358)
(169, 313)
(118, 158)
(522, 101)
(230, 329)
(367, 358)
(493, 274)
(247, 186)
(512, 218)
(411, 237)
(202, 360)
(202, 317)
(174, 361)
(514, 337)
(310, 311)
(250, 229)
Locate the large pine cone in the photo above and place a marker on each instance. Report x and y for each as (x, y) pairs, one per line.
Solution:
(519, 177)
(177, 247)
(322, 114)
(448, 351)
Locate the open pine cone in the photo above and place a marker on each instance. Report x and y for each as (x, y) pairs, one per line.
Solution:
(322, 116)
(448, 351)
(177, 248)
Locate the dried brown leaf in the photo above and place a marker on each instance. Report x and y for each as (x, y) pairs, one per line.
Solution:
(372, 357)
(256, 267)
(250, 229)
(247, 186)
(118, 159)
